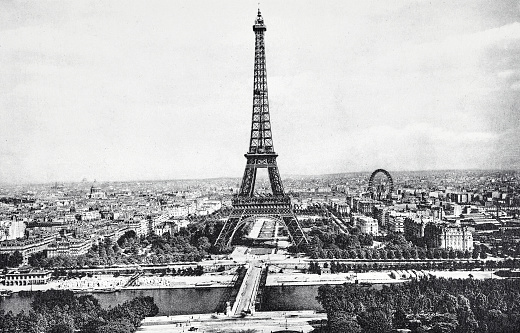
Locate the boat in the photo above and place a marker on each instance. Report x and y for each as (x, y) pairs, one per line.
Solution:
(83, 291)
(106, 290)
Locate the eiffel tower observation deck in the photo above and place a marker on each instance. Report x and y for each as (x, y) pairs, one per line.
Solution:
(248, 205)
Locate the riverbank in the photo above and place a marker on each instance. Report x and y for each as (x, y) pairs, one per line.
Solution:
(300, 279)
(104, 283)
(107, 283)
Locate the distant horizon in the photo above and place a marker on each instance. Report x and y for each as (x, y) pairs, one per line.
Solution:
(284, 176)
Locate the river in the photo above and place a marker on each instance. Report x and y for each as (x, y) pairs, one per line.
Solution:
(291, 298)
(179, 301)
(172, 301)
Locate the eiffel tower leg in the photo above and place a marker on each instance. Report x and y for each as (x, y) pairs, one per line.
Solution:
(248, 182)
(276, 181)
(227, 232)
(295, 231)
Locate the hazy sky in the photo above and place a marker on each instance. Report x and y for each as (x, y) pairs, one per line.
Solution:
(122, 90)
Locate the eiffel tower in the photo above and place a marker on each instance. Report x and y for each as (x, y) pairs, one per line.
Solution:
(247, 205)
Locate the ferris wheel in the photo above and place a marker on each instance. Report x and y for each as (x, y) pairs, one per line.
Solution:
(380, 185)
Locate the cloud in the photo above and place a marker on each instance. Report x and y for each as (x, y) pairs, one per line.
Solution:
(463, 52)
(124, 91)
(516, 86)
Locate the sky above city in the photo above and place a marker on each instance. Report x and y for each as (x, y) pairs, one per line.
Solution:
(131, 90)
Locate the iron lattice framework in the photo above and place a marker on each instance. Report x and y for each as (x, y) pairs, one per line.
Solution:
(261, 154)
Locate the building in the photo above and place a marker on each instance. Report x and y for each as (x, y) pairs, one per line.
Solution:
(177, 224)
(71, 247)
(341, 207)
(26, 277)
(380, 213)
(139, 225)
(459, 197)
(97, 193)
(445, 236)
(162, 229)
(181, 210)
(12, 229)
(413, 227)
(363, 206)
(206, 207)
(27, 247)
(90, 215)
(396, 221)
(367, 225)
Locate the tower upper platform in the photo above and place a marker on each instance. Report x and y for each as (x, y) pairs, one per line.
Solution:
(259, 23)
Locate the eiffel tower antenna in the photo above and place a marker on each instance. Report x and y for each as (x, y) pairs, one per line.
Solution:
(247, 205)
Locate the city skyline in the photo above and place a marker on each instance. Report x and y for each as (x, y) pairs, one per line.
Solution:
(144, 91)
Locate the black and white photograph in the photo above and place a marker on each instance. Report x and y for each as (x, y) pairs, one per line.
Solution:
(236, 166)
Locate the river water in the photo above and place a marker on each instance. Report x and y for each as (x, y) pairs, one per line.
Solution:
(290, 298)
(176, 301)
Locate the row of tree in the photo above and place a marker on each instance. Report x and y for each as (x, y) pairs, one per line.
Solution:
(362, 266)
(404, 253)
(60, 311)
(427, 305)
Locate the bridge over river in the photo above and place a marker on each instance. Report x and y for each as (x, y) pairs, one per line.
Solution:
(246, 297)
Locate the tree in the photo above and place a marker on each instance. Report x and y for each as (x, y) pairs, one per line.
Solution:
(37, 259)
(120, 326)
(452, 254)
(390, 254)
(421, 253)
(15, 259)
(49, 299)
(460, 254)
(61, 328)
(203, 244)
(406, 254)
(465, 316)
(399, 319)
(102, 251)
(110, 250)
(366, 239)
(476, 253)
(116, 248)
(467, 254)
(443, 327)
(375, 321)
(346, 326)
(361, 254)
(449, 304)
(383, 254)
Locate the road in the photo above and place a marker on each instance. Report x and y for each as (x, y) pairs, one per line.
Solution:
(265, 322)
(341, 225)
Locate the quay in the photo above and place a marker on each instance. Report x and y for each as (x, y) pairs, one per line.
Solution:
(262, 322)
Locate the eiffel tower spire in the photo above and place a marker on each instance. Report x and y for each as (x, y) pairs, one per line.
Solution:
(261, 136)
(246, 205)
(261, 151)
